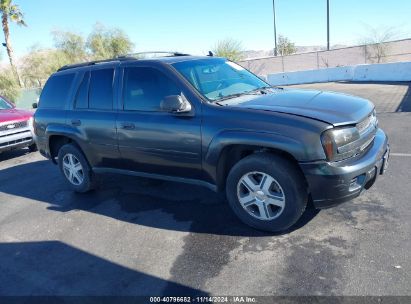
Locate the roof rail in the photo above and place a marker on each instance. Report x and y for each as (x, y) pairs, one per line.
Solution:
(141, 54)
(132, 56)
(95, 62)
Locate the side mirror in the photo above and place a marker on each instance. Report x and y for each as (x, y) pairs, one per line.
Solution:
(34, 105)
(175, 104)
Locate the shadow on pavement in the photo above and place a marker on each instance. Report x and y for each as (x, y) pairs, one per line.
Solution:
(13, 154)
(52, 268)
(164, 205)
(405, 105)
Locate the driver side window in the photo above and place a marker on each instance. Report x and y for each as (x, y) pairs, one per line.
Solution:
(145, 88)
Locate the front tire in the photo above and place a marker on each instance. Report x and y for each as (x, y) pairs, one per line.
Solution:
(267, 192)
(75, 168)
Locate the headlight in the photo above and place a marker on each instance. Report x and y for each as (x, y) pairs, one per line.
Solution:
(336, 142)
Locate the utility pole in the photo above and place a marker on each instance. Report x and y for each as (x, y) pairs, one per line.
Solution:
(275, 31)
(328, 25)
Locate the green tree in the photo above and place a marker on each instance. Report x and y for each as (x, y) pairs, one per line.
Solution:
(71, 44)
(106, 43)
(229, 48)
(285, 46)
(10, 12)
(39, 64)
(70, 48)
(8, 85)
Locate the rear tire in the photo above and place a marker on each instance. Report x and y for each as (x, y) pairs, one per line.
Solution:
(267, 192)
(75, 168)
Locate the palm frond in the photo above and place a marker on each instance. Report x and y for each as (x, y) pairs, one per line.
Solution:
(16, 15)
(5, 6)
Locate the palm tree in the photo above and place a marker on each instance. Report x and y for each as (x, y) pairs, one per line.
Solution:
(10, 11)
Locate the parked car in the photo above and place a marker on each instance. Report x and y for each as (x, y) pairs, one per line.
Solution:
(208, 121)
(16, 127)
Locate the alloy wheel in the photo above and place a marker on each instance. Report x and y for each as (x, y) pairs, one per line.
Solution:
(261, 195)
(73, 170)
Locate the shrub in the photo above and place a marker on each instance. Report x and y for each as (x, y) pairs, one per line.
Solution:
(9, 87)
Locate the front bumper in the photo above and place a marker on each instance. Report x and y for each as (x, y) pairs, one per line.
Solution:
(23, 138)
(334, 183)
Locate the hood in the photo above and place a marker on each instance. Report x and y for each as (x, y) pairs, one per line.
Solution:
(10, 115)
(333, 108)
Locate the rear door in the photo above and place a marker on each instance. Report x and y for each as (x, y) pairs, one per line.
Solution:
(151, 140)
(94, 115)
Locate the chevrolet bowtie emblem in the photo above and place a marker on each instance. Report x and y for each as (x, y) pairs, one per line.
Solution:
(11, 126)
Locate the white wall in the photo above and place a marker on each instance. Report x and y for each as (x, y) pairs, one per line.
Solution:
(365, 72)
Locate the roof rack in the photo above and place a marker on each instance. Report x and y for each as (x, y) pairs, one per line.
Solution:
(132, 56)
(162, 53)
(95, 62)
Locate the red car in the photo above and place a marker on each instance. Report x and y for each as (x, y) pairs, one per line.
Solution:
(16, 127)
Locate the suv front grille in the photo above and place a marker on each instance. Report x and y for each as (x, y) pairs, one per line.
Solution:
(367, 123)
(13, 126)
(367, 129)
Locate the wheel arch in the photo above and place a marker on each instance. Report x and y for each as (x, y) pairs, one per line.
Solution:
(229, 148)
(57, 136)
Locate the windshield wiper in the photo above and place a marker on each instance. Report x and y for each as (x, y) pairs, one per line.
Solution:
(253, 92)
(272, 87)
(256, 91)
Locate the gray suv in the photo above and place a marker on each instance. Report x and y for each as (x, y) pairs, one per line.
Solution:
(208, 121)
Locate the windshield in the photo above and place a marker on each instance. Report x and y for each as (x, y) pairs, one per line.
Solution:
(219, 78)
(4, 105)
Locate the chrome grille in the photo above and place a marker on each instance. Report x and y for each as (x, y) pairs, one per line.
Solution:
(367, 123)
(364, 124)
(367, 129)
(14, 126)
(367, 143)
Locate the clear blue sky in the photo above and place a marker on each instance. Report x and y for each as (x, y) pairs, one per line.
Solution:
(194, 26)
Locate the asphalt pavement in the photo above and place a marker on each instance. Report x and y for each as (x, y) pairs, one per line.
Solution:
(135, 236)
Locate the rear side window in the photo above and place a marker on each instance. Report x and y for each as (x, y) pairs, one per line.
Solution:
(56, 91)
(101, 89)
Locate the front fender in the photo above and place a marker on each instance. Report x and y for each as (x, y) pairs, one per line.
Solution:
(299, 149)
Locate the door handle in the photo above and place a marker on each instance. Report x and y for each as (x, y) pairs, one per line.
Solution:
(127, 126)
(76, 122)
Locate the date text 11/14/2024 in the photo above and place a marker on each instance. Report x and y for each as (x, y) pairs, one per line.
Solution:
(203, 299)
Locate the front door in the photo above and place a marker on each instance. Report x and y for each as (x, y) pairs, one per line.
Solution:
(151, 140)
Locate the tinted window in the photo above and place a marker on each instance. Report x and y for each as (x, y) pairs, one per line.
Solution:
(56, 91)
(82, 93)
(145, 88)
(101, 89)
